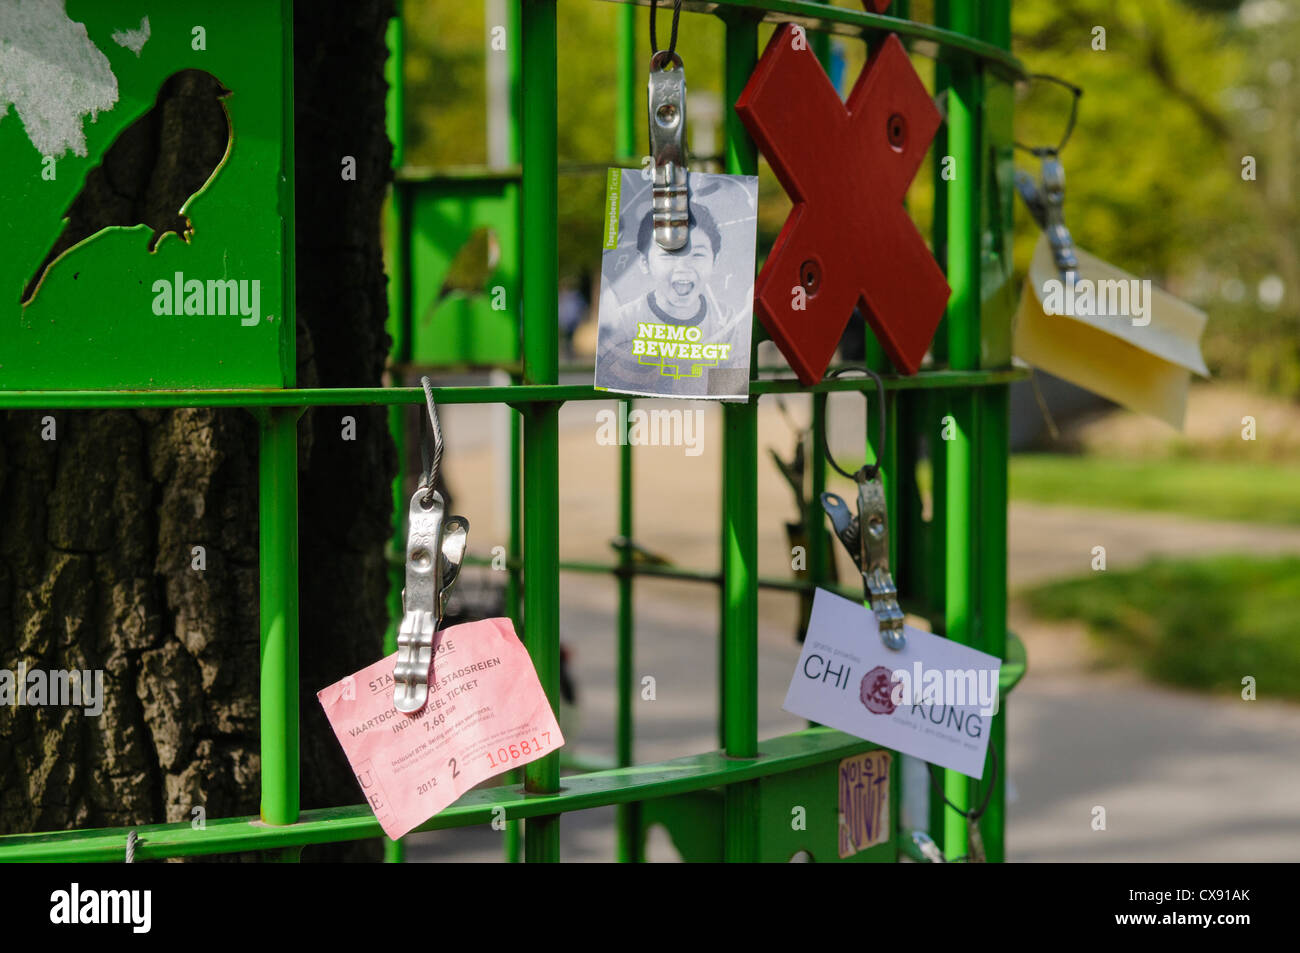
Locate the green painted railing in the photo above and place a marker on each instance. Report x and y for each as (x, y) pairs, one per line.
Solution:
(952, 567)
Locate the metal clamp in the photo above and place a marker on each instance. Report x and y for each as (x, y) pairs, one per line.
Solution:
(1045, 200)
(435, 548)
(670, 202)
(928, 848)
(870, 551)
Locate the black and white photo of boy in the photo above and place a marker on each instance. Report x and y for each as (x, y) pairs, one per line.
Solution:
(678, 323)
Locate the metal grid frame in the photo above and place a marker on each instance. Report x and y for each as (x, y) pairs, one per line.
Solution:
(955, 566)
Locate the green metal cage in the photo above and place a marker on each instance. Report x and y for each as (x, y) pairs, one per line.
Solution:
(733, 803)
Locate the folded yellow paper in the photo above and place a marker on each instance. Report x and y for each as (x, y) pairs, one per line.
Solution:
(1110, 332)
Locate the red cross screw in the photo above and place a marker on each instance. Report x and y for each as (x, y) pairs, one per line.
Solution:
(848, 240)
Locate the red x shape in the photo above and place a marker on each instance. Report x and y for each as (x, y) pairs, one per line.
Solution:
(848, 240)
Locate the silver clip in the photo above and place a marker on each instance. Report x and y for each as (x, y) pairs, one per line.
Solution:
(435, 548)
(870, 551)
(928, 848)
(671, 205)
(1045, 200)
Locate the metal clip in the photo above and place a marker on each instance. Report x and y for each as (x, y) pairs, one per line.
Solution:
(1046, 202)
(435, 548)
(870, 551)
(928, 848)
(668, 146)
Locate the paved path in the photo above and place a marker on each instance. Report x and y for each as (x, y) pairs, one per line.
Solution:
(1182, 777)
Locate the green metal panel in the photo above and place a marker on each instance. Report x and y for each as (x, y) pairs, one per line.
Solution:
(816, 829)
(463, 238)
(93, 322)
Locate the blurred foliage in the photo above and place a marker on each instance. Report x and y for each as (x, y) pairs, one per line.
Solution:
(1208, 489)
(1199, 624)
(1182, 92)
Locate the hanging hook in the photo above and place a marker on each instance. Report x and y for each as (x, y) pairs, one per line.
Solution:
(866, 536)
(670, 202)
(869, 470)
(430, 457)
(435, 549)
(1045, 197)
(672, 40)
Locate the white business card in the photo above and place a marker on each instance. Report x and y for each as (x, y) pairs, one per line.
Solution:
(933, 698)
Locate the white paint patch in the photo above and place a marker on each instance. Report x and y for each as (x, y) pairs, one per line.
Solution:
(52, 74)
(133, 40)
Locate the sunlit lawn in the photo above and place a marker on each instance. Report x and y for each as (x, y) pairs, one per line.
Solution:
(1201, 624)
(1255, 492)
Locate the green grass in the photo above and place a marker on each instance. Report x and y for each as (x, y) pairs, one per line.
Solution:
(1199, 624)
(1253, 492)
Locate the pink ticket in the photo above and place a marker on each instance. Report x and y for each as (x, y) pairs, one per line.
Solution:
(486, 714)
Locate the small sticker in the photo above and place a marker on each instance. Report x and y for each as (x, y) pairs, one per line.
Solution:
(864, 802)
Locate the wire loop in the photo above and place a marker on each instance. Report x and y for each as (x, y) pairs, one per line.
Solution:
(430, 457)
(1077, 91)
(974, 815)
(869, 470)
(672, 40)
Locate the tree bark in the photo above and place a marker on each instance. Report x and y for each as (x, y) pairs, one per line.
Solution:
(98, 526)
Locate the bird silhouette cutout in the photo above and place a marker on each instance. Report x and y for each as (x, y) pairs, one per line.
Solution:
(469, 270)
(151, 170)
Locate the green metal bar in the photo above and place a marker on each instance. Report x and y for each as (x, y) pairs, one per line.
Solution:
(740, 513)
(933, 412)
(531, 392)
(994, 430)
(629, 821)
(947, 45)
(625, 129)
(515, 71)
(541, 431)
(994, 426)
(820, 43)
(514, 833)
(963, 217)
(396, 258)
(394, 851)
(814, 515)
(630, 845)
(790, 752)
(278, 574)
(514, 839)
(740, 578)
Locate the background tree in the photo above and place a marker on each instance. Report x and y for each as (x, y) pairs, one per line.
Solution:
(97, 527)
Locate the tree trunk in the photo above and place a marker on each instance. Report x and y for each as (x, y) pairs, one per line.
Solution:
(98, 526)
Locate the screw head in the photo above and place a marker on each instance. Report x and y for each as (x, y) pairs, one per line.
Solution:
(810, 276)
(896, 131)
(667, 115)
